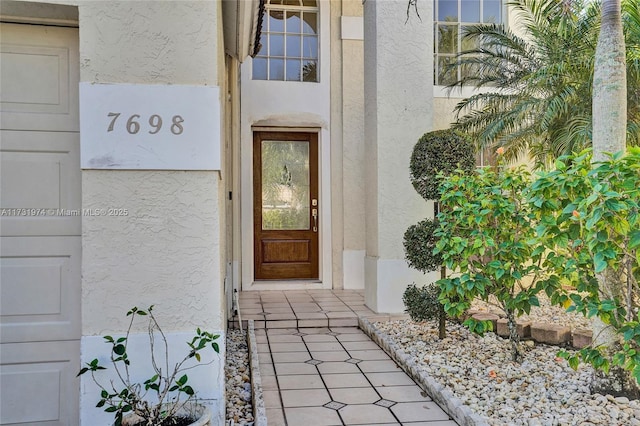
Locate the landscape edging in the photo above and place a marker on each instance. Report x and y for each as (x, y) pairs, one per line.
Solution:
(452, 405)
(259, 410)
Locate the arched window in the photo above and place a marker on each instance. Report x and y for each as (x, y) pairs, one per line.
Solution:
(450, 16)
(288, 42)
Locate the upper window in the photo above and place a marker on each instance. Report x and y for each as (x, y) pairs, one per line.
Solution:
(451, 16)
(289, 42)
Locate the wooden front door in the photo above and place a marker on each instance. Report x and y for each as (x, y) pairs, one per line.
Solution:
(286, 208)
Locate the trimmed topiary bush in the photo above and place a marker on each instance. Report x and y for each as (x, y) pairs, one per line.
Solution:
(419, 242)
(442, 151)
(422, 303)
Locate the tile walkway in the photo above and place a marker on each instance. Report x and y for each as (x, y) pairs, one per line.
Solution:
(331, 373)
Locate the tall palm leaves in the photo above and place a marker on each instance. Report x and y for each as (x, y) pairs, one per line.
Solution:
(540, 83)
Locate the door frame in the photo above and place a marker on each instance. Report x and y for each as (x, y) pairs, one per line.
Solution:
(245, 176)
(311, 267)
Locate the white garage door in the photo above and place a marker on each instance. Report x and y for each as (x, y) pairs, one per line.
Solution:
(39, 244)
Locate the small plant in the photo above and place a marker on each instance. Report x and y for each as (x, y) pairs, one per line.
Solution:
(168, 389)
(485, 234)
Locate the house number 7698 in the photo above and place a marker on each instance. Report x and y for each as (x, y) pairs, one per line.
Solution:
(155, 123)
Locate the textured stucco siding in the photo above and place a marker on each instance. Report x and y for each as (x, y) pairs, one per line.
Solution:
(170, 42)
(397, 112)
(353, 146)
(443, 114)
(165, 252)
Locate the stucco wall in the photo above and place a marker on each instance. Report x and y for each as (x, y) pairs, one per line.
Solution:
(443, 114)
(164, 252)
(347, 144)
(167, 250)
(398, 110)
(172, 42)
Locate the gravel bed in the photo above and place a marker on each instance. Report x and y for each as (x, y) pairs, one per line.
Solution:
(545, 312)
(238, 379)
(541, 390)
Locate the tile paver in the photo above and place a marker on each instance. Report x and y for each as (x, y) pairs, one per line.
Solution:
(305, 397)
(418, 411)
(359, 414)
(365, 395)
(289, 357)
(389, 379)
(300, 381)
(345, 380)
(337, 367)
(312, 416)
(293, 368)
(412, 393)
(380, 366)
(325, 346)
(319, 369)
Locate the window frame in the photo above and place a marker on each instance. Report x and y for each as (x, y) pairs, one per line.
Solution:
(459, 24)
(265, 55)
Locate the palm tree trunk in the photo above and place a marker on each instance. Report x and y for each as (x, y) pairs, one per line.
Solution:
(609, 84)
(609, 135)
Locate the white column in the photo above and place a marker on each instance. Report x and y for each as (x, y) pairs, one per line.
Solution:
(398, 94)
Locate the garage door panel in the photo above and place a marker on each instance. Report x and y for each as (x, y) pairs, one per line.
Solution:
(42, 374)
(40, 226)
(40, 291)
(39, 78)
(40, 183)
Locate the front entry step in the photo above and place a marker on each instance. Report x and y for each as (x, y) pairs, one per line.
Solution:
(301, 309)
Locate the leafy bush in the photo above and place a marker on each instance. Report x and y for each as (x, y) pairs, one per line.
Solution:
(484, 237)
(441, 151)
(422, 302)
(590, 225)
(419, 243)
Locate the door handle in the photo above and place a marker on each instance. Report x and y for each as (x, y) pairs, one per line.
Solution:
(314, 213)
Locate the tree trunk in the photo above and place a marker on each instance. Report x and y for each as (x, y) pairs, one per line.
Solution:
(442, 316)
(514, 337)
(609, 84)
(609, 135)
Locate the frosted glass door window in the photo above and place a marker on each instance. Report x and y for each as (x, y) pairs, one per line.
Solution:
(285, 185)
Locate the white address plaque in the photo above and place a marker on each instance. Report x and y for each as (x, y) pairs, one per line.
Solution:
(149, 127)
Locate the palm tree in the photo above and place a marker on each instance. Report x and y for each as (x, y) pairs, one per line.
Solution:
(609, 118)
(539, 102)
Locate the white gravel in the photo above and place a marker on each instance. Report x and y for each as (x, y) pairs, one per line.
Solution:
(238, 380)
(542, 390)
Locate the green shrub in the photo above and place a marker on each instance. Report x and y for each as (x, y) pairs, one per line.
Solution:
(422, 303)
(485, 235)
(590, 224)
(419, 242)
(441, 151)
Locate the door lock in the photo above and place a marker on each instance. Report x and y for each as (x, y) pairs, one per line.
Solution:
(314, 213)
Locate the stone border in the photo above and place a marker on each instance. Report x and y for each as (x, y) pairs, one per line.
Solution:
(259, 411)
(453, 406)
